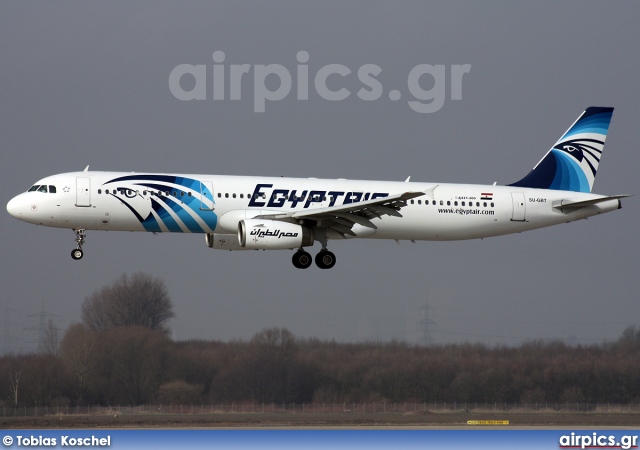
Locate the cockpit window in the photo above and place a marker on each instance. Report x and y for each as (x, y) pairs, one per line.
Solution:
(43, 188)
(34, 188)
(52, 189)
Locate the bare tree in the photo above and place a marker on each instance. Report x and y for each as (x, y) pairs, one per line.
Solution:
(273, 352)
(95, 309)
(42, 379)
(134, 360)
(79, 355)
(14, 380)
(139, 299)
(50, 344)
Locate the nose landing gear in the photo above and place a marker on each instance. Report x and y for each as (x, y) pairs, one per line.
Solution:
(81, 234)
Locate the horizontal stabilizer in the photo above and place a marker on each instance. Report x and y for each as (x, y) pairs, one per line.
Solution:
(576, 205)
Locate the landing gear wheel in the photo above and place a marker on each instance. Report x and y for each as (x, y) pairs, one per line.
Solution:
(325, 259)
(301, 259)
(81, 234)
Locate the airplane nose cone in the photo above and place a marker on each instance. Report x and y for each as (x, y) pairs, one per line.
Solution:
(14, 207)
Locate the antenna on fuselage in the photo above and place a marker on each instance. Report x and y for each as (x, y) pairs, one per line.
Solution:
(86, 169)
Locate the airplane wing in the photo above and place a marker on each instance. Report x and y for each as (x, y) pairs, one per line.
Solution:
(341, 218)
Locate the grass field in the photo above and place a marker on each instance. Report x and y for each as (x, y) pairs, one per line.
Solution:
(321, 420)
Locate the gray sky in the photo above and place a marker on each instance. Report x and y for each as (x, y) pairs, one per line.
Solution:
(87, 83)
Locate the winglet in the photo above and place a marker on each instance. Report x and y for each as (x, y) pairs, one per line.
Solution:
(429, 192)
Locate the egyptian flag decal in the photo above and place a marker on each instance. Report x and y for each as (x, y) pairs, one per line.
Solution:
(486, 196)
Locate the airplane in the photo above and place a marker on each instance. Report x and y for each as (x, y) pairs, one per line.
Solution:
(277, 213)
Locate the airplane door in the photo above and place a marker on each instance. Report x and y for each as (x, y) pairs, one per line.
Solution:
(206, 196)
(83, 191)
(518, 207)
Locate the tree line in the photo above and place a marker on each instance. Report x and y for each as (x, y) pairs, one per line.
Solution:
(121, 354)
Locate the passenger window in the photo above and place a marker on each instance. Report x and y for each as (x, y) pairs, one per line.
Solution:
(492, 204)
(455, 203)
(419, 202)
(181, 194)
(219, 195)
(484, 204)
(226, 195)
(412, 202)
(52, 189)
(99, 191)
(462, 203)
(477, 203)
(190, 194)
(234, 195)
(441, 203)
(448, 203)
(241, 195)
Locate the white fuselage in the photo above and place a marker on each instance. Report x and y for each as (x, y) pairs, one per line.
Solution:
(211, 204)
(268, 213)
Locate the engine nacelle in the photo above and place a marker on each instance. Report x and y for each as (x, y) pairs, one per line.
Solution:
(223, 241)
(273, 235)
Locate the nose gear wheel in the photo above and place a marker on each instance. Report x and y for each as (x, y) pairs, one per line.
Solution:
(81, 234)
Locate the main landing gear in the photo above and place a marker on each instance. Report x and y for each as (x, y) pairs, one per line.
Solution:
(301, 259)
(324, 259)
(77, 253)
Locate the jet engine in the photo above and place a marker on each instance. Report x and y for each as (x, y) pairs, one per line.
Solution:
(223, 241)
(273, 235)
